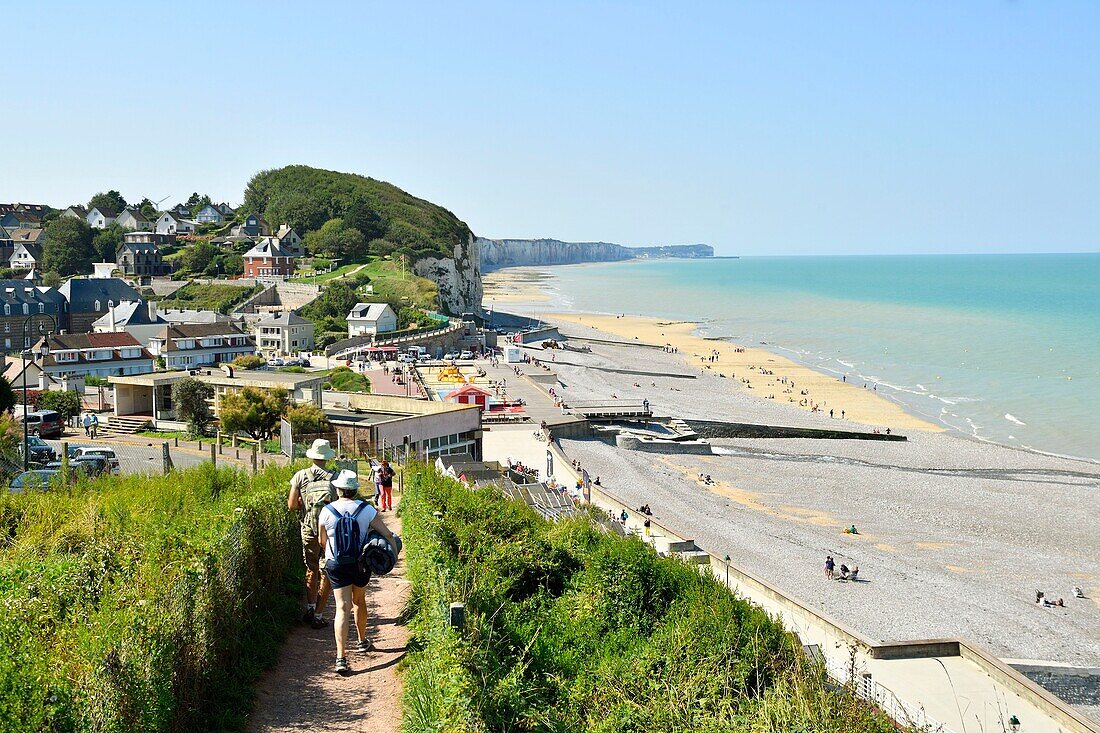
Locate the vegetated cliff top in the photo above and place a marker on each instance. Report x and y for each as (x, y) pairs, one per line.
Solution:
(392, 220)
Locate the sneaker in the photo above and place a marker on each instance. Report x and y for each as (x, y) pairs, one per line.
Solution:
(342, 667)
(364, 647)
(308, 616)
(318, 622)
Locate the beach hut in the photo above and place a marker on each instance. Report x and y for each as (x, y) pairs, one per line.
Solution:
(471, 394)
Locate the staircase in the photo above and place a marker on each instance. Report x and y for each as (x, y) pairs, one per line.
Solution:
(124, 425)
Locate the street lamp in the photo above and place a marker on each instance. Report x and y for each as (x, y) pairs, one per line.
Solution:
(727, 571)
(24, 356)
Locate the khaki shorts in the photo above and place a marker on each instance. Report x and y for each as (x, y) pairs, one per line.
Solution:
(311, 552)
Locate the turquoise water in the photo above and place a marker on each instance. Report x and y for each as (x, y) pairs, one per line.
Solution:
(1001, 347)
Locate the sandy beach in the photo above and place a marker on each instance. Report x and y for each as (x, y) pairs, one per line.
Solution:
(955, 536)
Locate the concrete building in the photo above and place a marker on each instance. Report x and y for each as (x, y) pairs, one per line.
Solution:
(139, 254)
(424, 429)
(371, 319)
(150, 395)
(194, 345)
(283, 333)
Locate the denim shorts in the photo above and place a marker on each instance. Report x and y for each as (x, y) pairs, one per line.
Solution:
(341, 576)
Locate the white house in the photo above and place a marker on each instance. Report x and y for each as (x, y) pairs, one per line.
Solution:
(190, 345)
(172, 223)
(132, 219)
(209, 214)
(101, 217)
(290, 241)
(283, 332)
(370, 319)
(98, 354)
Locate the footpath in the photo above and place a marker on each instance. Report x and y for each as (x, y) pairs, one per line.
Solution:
(303, 693)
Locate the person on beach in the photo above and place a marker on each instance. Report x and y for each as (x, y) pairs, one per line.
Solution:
(385, 487)
(310, 491)
(343, 529)
(829, 565)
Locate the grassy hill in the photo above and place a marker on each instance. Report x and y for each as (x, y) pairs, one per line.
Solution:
(391, 220)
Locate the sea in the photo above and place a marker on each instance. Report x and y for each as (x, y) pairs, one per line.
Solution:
(1002, 348)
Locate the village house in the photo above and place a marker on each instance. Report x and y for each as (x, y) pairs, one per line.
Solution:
(140, 320)
(193, 345)
(101, 217)
(252, 226)
(133, 219)
(90, 298)
(283, 333)
(171, 222)
(268, 261)
(290, 241)
(209, 214)
(95, 354)
(22, 216)
(37, 309)
(371, 319)
(75, 212)
(139, 254)
(26, 253)
(226, 210)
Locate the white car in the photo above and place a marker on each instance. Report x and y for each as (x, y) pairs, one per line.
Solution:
(275, 362)
(107, 454)
(451, 356)
(405, 358)
(466, 355)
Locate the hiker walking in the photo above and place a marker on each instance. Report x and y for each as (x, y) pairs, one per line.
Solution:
(385, 487)
(95, 424)
(344, 526)
(87, 422)
(310, 491)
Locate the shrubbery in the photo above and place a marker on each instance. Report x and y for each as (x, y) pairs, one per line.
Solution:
(137, 604)
(572, 629)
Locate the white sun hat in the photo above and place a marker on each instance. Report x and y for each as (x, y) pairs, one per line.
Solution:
(321, 450)
(346, 480)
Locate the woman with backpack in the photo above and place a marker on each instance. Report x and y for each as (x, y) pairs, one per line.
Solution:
(344, 526)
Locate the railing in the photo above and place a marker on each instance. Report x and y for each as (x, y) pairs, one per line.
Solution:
(864, 687)
(359, 344)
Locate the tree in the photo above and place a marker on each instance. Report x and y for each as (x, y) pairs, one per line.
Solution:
(189, 396)
(335, 301)
(7, 396)
(338, 240)
(200, 256)
(68, 249)
(254, 411)
(107, 200)
(106, 243)
(308, 419)
(249, 361)
(232, 264)
(66, 402)
(196, 202)
(148, 209)
(51, 280)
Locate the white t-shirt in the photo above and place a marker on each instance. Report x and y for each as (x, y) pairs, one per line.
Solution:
(328, 521)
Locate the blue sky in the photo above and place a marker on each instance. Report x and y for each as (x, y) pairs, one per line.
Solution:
(760, 128)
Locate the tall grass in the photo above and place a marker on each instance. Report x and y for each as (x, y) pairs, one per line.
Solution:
(143, 604)
(571, 629)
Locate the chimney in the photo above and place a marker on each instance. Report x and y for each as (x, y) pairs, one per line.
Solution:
(111, 311)
(152, 305)
(41, 380)
(102, 269)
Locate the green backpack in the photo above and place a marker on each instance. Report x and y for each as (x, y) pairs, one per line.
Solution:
(315, 496)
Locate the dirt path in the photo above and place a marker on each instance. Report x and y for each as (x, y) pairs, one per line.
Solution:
(303, 693)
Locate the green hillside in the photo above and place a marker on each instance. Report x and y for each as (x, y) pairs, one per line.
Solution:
(390, 220)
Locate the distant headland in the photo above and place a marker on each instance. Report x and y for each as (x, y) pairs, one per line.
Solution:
(498, 253)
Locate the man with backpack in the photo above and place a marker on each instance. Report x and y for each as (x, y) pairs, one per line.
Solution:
(344, 526)
(310, 491)
(385, 486)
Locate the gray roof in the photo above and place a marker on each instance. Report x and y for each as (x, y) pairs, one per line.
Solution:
(83, 292)
(20, 291)
(186, 315)
(369, 311)
(129, 313)
(267, 247)
(283, 318)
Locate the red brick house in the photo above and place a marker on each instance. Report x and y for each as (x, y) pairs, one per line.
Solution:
(268, 260)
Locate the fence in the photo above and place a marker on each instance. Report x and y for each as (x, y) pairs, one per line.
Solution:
(905, 714)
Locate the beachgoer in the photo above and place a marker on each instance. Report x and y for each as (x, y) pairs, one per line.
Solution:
(310, 491)
(87, 424)
(645, 524)
(1039, 595)
(1077, 592)
(597, 481)
(385, 487)
(829, 565)
(343, 528)
(843, 572)
(851, 530)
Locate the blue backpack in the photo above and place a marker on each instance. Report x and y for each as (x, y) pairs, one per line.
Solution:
(347, 540)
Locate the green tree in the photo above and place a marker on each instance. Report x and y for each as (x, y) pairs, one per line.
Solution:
(307, 419)
(337, 240)
(107, 200)
(51, 280)
(359, 213)
(200, 256)
(254, 411)
(66, 402)
(148, 209)
(106, 243)
(196, 202)
(249, 361)
(7, 396)
(232, 264)
(68, 249)
(189, 395)
(335, 301)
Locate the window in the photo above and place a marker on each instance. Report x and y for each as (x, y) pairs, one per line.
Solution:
(98, 305)
(7, 309)
(41, 307)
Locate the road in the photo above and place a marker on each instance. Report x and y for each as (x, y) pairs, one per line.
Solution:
(137, 457)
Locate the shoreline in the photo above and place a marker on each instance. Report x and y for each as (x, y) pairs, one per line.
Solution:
(530, 292)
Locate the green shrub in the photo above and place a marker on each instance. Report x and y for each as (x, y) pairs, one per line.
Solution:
(343, 379)
(133, 603)
(569, 628)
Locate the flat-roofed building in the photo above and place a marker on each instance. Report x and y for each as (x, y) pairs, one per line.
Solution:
(373, 424)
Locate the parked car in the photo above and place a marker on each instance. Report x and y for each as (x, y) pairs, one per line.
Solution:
(46, 423)
(275, 362)
(450, 355)
(39, 478)
(107, 454)
(38, 450)
(88, 466)
(466, 355)
(405, 358)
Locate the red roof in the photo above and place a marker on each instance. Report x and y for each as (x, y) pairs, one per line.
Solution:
(468, 389)
(119, 338)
